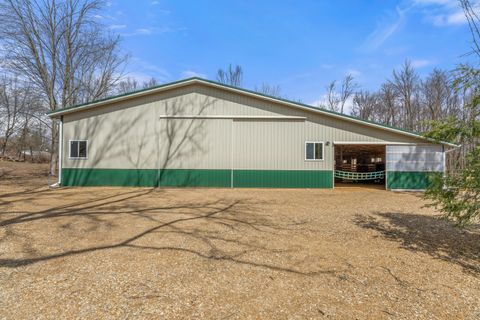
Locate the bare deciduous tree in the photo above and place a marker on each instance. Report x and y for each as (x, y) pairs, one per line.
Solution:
(436, 93)
(127, 85)
(231, 76)
(365, 105)
(269, 90)
(332, 99)
(347, 90)
(405, 83)
(152, 82)
(387, 98)
(335, 100)
(10, 109)
(62, 49)
(20, 108)
(473, 23)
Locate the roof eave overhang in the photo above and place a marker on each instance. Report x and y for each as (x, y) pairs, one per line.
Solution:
(186, 82)
(61, 112)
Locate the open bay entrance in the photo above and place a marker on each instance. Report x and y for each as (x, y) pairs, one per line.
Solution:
(360, 165)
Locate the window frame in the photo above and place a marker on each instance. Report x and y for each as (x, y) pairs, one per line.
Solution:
(70, 149)
(315, 142)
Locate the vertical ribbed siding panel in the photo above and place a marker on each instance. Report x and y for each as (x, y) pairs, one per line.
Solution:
(271, 154)
(123, 135)
(276, 145)
(413, 167)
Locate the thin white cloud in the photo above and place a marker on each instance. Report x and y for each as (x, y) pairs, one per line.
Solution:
(143, 70)
(436, 2)
(144, 31)
(192, 74)
(117, 26)
(104, 17)
(386, 28)
(450, 19)
(354, 72)
(457, 18)
(436, 12)
(347, 109)
(443, 12)
(327, 66)
(161, 11)
(421, 63)
(151, 31)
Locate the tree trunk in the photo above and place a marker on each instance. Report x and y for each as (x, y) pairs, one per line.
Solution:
(4, 145)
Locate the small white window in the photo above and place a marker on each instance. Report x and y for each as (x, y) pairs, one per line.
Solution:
(313, 150)
(78, 149)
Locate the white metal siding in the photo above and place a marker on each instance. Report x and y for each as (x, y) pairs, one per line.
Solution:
(275, 145)
(134, 134)
(415, 158)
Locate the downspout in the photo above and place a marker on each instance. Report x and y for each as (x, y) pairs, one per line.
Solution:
(60, 155)
(386, 169)
(231, 154)
(60, 152)
(444, 161)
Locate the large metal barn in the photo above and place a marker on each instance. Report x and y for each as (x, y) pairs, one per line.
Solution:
(199, 133)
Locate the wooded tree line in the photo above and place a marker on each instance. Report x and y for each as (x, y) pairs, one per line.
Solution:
(60, 54)
(405, 101)
(25, 130)
(413, 103)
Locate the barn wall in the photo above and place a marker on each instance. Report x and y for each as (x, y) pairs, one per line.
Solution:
(413, 167)
(133, 143)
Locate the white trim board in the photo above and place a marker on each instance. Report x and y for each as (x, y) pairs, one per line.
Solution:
(380, 143)
(230, 117)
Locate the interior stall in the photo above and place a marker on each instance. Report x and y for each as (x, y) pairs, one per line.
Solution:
(359, 164)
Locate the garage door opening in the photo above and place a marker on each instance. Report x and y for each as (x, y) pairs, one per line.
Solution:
(360, 165)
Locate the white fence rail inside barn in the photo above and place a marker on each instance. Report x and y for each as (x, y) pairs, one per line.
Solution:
(359, 175)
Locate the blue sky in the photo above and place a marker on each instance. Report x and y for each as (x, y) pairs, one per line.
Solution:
(298, 45)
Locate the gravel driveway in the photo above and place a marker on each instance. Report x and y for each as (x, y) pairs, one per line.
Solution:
(110, 253)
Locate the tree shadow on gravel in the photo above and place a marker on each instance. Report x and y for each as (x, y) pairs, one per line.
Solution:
(31, 186)
(73, 209)
(431, 235)
(214, 230)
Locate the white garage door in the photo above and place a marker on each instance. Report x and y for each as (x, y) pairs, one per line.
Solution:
(412, 167)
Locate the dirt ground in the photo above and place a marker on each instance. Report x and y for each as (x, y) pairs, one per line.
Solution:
(116, 253)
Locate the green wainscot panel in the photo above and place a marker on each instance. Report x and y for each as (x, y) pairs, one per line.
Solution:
(146, 177)
(282, 179)
(410, 180)
(197, 178)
